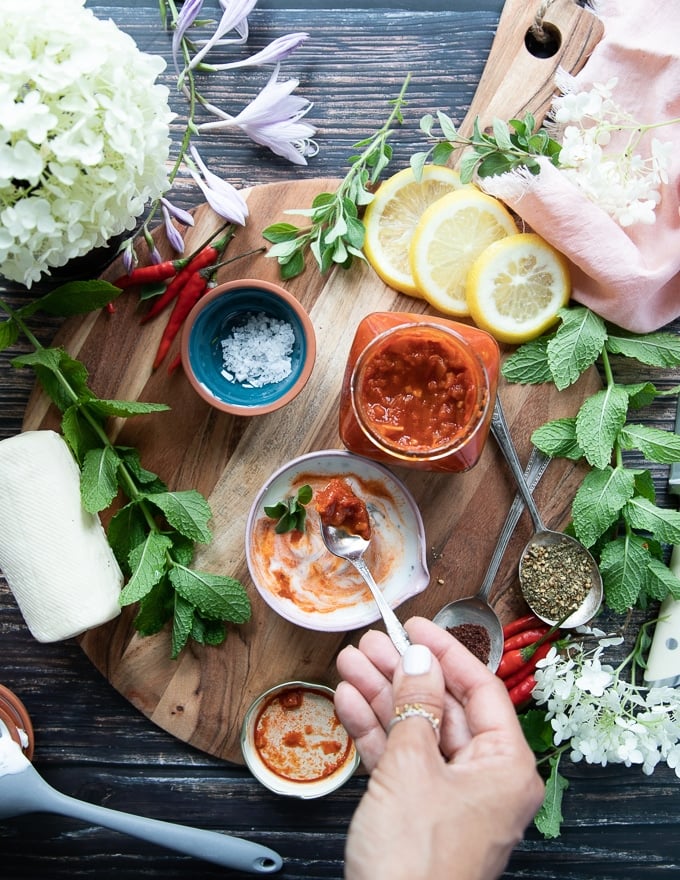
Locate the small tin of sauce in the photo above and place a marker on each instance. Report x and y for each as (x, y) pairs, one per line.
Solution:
(419, 391)
(294, 743)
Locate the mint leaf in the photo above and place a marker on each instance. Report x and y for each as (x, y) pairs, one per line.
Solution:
(127, 530)
(662, 523)
(548, 819)
(9, 333)
(598, 423)
(125, 408)
(148, 563)
(133, 463)
(662, 581)
(575, 346)
(99, 478)
(155, 609)
(528, 365)
(623, 564)
(558, 439)
(656, 445)
(641, 394)
(182, 625)
(78, 432)
(537, 730)
(654, 349)
(644, 484)
(599, 501)
(216, 596)
(187, 511)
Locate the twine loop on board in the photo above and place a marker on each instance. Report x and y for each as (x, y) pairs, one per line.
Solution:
(537, 29)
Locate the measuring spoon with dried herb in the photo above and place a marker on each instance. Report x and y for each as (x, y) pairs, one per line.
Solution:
(559, 578)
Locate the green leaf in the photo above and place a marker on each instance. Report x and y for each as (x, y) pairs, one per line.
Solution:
(537, 730)
(127, 530)
(148, 564)
(644, 484)
(155, 609)
(125, 408)
(528, 365)
(130, 457)
(654, 349)
(293, 267)
(78, 297)
(656, 445)
(467, 166)
(426, 123)
(278, 232)
(217, 597)
(576, 345)
(624, 563)
(640, 394)
(9, 333)
(548, 819)
(447, 126)
(662, 523)
(182, 625)
(186, 511)
(79, 433)
(662, 581)
(558, 439)
(52, 366)
(598, 423)
(441, 153)
(599, 500)
(501, 132)
(99, 478)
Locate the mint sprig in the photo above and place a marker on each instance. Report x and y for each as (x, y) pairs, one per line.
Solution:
(290, 513)
(335, 233)
(614, 511)
(153, 534)
(506, 147)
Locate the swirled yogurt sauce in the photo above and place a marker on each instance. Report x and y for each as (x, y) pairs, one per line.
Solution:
(12, 758)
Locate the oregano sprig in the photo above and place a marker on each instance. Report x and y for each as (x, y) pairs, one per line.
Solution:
(153, 533)
(335, 233)
(614, 511)
(508, 146)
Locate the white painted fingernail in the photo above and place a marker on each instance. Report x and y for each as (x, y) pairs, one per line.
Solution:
(417, 660)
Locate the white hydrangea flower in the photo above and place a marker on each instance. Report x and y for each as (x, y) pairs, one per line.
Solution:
(84, 134)
(599, 154)
(602, 717)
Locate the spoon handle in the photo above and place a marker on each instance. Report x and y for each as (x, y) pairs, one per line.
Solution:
(536, 466)
(395, 630)
(213, 846)
(500, 430)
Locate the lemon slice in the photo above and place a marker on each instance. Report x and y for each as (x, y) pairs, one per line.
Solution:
(516, 287)
(392, 216)
(450, 236)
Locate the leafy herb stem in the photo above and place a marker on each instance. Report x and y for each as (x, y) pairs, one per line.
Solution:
(335, 234)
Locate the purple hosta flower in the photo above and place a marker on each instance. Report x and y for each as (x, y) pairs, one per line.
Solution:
(185, 19)
(175, 240)
(275, 52)
(273, 119)
(222, 197)
(234, 17)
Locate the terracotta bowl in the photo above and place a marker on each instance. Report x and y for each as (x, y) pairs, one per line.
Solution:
(258, 314)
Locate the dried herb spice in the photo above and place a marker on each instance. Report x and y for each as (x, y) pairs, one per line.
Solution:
(474, 637)
(556, 578)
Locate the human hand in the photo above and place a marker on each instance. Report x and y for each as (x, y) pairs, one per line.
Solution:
(451, 801)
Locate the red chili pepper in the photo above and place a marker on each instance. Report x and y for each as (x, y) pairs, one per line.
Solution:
(203, 259)
(175, 363)
(510, 680)
(527, 622)
(521, 693)
(511, 661)
(192, 291)
(149, 274)
(526, 637)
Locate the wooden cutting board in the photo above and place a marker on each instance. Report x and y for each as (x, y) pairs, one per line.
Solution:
(202, 696)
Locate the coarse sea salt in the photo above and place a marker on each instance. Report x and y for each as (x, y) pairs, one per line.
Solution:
(258, 352)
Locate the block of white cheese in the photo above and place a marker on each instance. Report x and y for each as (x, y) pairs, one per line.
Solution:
(53, 553)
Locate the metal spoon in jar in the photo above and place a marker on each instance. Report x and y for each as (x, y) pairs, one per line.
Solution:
(352, 547)
(475, 609)
(546, 541)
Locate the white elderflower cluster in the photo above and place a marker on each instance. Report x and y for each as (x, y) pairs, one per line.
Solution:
(604, 718)
(84, 134)
(600, 153)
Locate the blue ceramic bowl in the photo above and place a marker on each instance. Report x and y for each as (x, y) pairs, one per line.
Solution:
(214, 318)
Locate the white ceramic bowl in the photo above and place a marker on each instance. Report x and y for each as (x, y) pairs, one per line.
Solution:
(293, 742)
(301, 580)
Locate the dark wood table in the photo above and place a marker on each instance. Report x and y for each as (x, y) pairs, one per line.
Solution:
(90, 742)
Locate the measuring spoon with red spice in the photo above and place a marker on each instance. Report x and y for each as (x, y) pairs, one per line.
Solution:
(552, 562)
(472, 620)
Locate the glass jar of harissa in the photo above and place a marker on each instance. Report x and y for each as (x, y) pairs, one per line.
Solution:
(419, 391)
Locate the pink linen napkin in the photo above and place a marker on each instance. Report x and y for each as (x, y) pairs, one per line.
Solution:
(629, 276)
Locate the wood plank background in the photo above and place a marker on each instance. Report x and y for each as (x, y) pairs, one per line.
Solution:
(90, 742)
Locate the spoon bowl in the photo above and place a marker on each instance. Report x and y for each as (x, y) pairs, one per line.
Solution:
(476, 609)
(349, 546)
(546, 538)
